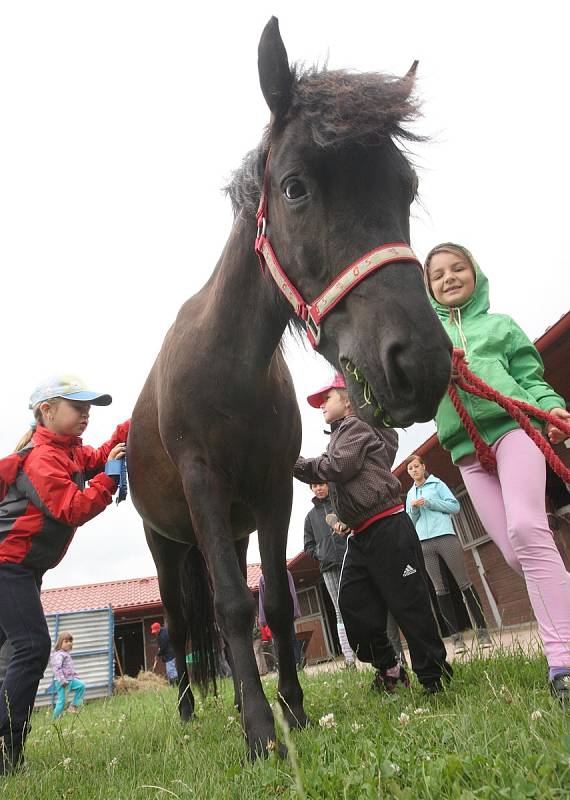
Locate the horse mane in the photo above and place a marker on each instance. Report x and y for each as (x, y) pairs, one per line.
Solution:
(339, 107)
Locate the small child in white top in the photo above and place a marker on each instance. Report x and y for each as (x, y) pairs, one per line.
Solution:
(65, 675)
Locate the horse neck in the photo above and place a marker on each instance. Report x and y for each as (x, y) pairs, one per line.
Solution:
(244, 299)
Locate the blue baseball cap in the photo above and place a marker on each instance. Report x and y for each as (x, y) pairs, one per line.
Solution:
(71, 388)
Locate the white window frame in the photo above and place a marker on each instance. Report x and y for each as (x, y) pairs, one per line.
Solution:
(466, 523)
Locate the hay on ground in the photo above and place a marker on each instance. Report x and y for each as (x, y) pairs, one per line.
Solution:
(145, 681)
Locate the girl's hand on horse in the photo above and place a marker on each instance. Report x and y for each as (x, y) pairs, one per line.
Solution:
(118, 451)
(555, 434)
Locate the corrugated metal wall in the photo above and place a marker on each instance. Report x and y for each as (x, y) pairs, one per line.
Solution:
(92, 652)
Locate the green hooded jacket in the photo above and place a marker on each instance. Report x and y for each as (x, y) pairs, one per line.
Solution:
(502, 355)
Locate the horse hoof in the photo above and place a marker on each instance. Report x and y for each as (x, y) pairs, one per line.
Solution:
(260, 750)
(295, 720)
(186, 714)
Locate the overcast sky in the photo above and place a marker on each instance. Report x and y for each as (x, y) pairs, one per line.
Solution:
(123, 120)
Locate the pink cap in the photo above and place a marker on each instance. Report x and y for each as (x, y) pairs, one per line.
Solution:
(316, 400)
(155, 627)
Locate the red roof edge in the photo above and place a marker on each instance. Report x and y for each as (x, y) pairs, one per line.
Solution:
(553, 333)
(424, 448)
(141, 607)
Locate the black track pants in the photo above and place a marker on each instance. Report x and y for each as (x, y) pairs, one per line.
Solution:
(384, 571)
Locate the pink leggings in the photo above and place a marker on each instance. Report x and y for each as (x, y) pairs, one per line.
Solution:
(511, 507)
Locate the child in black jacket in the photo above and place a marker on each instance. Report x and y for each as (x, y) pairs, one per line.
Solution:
(384, 568)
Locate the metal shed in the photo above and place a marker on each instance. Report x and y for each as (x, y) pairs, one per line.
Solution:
(92, 653)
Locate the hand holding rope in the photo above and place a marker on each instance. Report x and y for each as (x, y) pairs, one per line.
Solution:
(464, 379)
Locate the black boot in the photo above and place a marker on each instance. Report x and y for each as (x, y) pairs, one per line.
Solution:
(11, 754)
(475, 609)
(447, 609)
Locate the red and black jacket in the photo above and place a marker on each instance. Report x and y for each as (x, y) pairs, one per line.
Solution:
(44, 497)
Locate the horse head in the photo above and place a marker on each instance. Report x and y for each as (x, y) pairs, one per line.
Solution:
(337, 187)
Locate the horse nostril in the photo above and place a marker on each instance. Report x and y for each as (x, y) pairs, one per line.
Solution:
(397, 371)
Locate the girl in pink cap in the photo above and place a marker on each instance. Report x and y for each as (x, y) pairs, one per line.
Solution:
(383, 569)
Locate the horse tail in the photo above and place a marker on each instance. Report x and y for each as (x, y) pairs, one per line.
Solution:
(198, 609)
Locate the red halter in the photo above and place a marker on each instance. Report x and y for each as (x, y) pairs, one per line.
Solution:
(313, 313)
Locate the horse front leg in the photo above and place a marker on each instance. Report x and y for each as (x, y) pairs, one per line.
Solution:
(233, 601)
(273, 524)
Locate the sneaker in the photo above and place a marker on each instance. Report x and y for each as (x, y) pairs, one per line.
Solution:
(560, 688)
(388, 683)
(439, 684)
(459, 645)
(483, 638)
(435, 687)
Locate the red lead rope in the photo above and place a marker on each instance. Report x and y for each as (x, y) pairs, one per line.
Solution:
(517, 409)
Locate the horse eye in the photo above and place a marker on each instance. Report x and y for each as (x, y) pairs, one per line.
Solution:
(294, 189)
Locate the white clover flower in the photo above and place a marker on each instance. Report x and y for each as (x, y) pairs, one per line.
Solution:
(113, 762)
(231, 718)
(395, 768)
(419, 711)
(327, 721)
(428, 758)
(536, 715)
(66, 763)
(355, 727)
(186, 737)
(403, 719)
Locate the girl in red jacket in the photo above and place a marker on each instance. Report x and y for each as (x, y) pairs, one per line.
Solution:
(43, 499)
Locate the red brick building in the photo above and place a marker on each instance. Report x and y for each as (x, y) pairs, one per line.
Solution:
(502, 591)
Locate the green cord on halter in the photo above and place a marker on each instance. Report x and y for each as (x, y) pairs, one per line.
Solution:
(379, 412)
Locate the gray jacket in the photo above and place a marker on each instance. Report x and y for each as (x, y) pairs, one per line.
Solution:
(358, 462)
(320, 542)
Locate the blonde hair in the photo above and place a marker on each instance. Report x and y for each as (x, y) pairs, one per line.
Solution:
(61, 639)
(39, 420)
(343, 394)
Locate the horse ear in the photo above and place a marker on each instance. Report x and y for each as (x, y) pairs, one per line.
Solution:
(411, 73)
(275, 75)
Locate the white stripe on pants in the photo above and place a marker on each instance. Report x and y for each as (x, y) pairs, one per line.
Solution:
(332, 581)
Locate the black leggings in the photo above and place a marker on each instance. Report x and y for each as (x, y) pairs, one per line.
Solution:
(24, 626)
(445, 548)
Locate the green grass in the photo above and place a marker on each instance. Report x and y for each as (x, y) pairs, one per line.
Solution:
(495, 734)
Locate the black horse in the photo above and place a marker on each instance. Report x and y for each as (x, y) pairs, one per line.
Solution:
(216, 429)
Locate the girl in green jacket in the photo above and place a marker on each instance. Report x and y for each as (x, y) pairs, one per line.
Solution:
(511, 502)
